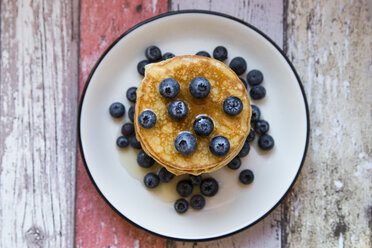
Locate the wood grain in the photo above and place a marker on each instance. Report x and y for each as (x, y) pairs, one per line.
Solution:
(331, 46)
(38, 107)
(267, 16)
(97, 225)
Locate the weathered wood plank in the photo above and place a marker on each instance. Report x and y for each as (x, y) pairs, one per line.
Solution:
(267, 16)
(38, 106)
(97, 225)
(330, 44)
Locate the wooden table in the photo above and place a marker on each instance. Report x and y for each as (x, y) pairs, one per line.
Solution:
(47, 51)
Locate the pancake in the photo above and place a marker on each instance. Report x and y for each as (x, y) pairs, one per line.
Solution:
(158, 141)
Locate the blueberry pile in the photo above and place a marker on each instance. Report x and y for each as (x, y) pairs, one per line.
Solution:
(117, 111)
(186, 143)
(260, 128)
(186, 188)
(208, 187)
(153, 54)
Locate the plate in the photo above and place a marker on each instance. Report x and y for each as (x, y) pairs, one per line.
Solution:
(235, 207)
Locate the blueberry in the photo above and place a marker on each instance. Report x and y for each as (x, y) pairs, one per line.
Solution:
(203, 53)
(266, 142)
(153, 53)
(169, 88)
(181, 206)
(196, 180)
(134, 142)
(151, 180)
(199, 87)
(141, 66)
(256, 113)
(254, 77)
(122, 142)
(244, 82)
(197, 202)
(184, 188)
(232, 106)
(251, 135)
(203, 126)
(185, 143)
(261, 127)
(177, 110)
(235, 163)
(127, 129)
(238, 65)
(209, 187)
(220, 53)
(257, 92)
(164, 175)
(219, 146)
(246, 176)
(117, 110)
(245, 150)
(144, 160)
(168, 56)
(147, 119)
(132, 94)
(131, 113)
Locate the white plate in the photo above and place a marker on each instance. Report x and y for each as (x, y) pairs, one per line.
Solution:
(234, 207)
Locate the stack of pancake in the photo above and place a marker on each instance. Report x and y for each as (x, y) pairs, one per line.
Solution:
(158, 141)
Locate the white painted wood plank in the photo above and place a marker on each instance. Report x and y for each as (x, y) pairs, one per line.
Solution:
(268, 17)
(330, 43)
(38, 108)
(265, 15)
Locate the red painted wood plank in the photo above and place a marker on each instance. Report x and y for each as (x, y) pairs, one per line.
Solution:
(97, 225)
